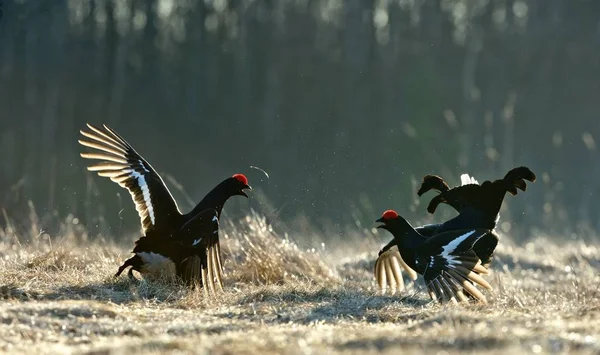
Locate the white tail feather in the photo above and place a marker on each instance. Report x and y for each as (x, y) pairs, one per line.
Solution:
(465, 179)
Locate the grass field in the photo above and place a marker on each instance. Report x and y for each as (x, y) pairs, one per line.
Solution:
(59, 296)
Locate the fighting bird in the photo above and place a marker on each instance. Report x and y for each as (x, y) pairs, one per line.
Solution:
(449, 265)
(478, 207)
(171, 240)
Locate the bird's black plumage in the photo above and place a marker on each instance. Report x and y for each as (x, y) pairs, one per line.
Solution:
(168, 234)
(446, 260)
(193, 238)
(478, 207)
(390, 262)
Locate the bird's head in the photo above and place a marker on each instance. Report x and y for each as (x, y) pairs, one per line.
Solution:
(404, 234)
(389, 218)
(239, 183)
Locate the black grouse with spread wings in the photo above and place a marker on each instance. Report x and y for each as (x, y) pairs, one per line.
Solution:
(446, 260)
(170, 237)
(478, 207)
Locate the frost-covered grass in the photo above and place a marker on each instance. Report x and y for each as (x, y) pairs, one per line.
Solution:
(60, 297)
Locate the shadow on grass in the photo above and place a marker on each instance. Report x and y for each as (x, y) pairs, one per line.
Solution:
(12, 292)
(466, 343)
(360, 305)
(275, 294)
(83, 310)
(122, 291)
(119, 292)
(322, 304)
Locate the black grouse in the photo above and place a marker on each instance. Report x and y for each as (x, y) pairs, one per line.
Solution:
(170, 239)
(447, 261)
(478, 207)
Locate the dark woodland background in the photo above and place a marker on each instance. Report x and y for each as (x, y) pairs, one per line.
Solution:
(345, 103)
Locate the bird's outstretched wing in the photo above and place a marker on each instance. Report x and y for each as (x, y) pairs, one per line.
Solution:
(451, 267)
(202, 233)
(446, 194)
(389, 263)
(488, 195)
(458, 197)
(388, 270)
(123, 165)
(432, 182)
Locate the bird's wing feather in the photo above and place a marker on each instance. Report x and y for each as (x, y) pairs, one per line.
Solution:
(452, 267)
(123, 165)
(202, 232)
(428, 230)
(458, 197)
(388, 271)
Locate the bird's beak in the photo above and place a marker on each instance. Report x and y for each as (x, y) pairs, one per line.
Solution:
(381, 226)
(246, 187)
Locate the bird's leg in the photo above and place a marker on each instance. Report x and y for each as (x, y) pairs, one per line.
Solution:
(131, 276)
(135, 262)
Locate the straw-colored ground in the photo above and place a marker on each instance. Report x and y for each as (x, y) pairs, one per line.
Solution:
(279, 299)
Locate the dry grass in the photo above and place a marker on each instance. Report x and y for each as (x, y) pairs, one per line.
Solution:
(279, 298)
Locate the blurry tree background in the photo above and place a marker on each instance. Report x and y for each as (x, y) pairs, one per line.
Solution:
(345, 103)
